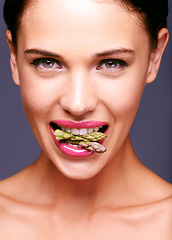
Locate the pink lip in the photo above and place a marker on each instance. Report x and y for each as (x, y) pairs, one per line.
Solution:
(83, 124)
(68, 149)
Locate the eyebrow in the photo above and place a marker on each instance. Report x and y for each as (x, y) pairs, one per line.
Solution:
(96, 55)
(42, 52)
(114, 51)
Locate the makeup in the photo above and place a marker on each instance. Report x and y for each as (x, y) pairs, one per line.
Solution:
(77, 128)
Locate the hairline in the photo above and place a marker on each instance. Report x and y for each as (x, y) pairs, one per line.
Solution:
(123, 4)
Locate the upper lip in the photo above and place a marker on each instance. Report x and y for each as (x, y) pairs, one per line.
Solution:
(81, 124)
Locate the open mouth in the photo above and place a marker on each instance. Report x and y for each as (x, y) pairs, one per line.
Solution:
(84, 136)
(79, 139)
(79, 131)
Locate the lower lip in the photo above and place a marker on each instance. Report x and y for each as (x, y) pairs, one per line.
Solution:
(70, 150)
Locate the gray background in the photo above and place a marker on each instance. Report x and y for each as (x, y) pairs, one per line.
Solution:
(151, 133)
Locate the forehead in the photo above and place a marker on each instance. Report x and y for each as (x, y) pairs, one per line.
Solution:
(76, 22)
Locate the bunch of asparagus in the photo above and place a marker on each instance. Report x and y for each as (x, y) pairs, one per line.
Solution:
(88, 141)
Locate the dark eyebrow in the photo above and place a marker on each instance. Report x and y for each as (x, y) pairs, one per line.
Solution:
(96, 55)
(114, 51)
(42, 52)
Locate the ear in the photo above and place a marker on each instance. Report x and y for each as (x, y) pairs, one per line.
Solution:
(13, 58)
(156, 55)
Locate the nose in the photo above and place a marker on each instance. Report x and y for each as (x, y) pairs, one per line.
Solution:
(79, 96)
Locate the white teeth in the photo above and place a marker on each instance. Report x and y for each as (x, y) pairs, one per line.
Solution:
(83, 131)
(90, 130)
(75, 131)
(67, 130)
(96, 129)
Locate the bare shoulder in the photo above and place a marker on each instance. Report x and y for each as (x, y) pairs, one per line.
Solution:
(155, 214)
(18, 211)
(157, 210)
(9, 189)
(14, 191)
(8, 206)
(152, 187)
(158, 218)
(149, 221)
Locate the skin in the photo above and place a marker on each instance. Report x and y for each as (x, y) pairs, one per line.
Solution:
(108, 196)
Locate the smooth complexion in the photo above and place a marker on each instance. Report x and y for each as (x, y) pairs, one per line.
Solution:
(84, 61)
(81, 38)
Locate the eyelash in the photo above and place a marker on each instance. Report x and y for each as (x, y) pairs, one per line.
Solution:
(114, 64)
(42, 61)
(109, 65)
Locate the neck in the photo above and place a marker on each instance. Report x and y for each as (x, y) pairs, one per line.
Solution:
(107, 187)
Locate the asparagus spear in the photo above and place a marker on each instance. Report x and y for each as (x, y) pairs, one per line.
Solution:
(93, 146)
(88, 141)
(61, 135)
(94, 136)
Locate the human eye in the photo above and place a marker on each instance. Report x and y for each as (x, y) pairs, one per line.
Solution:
(47, 64)
(111, 65)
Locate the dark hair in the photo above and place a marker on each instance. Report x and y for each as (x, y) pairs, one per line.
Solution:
(152, 12)
(13, 12)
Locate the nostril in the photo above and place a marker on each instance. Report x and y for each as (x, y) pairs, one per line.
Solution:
(77, 109)
(68, 112)
(78, 103)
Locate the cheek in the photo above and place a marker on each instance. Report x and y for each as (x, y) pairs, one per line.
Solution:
(122, 97)
(37, 97)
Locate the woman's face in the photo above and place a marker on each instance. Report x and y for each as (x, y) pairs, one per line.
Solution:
(81, 64)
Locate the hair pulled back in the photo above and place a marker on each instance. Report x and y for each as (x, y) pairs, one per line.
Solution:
(13, 12)
(153, 13)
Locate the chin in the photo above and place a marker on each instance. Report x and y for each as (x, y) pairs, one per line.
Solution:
(80, 170)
